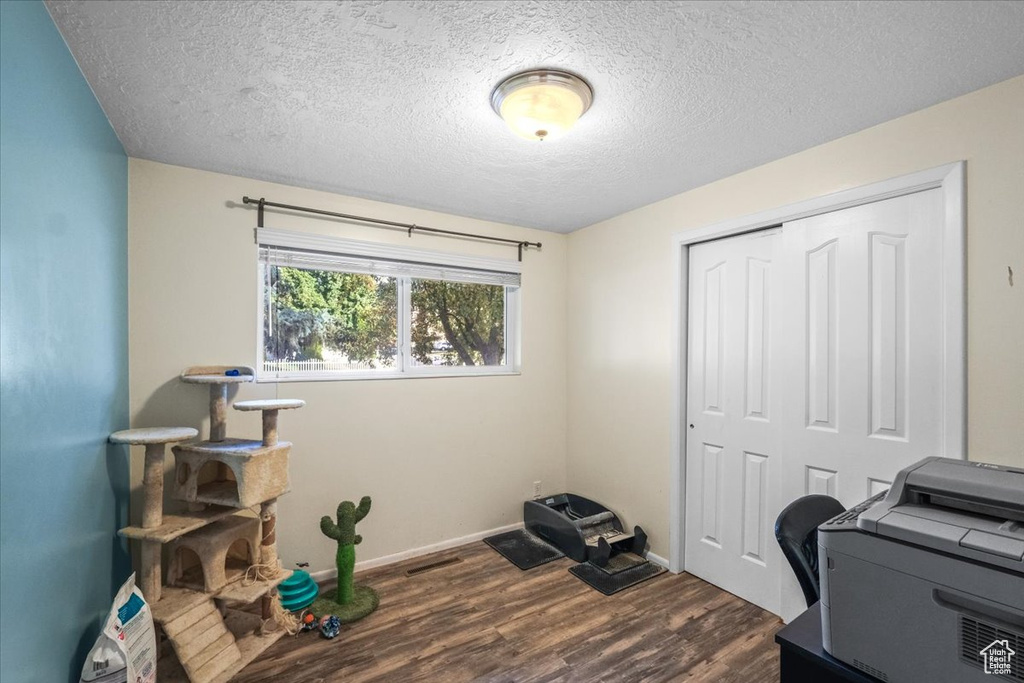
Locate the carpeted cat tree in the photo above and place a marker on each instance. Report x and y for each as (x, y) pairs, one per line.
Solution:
(223, 547)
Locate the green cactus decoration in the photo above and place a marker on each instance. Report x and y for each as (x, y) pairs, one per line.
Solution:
(350, 602)
(344, 532)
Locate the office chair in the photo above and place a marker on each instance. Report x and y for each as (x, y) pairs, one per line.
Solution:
(796, 530)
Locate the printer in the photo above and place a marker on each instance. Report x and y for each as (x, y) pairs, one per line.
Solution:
(925, 582)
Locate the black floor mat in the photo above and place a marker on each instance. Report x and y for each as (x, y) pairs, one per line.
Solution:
(602, 581)
(523, 549)
(620, 562)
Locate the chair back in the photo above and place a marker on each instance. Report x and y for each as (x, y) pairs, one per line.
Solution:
(796, 530)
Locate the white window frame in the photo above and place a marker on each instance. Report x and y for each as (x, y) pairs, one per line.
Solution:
(405, 365)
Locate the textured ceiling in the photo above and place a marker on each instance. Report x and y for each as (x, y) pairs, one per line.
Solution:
(389, 100)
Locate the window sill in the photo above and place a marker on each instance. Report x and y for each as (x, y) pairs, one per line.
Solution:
(357, 376)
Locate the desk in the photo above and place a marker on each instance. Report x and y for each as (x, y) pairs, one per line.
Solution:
(802, 659)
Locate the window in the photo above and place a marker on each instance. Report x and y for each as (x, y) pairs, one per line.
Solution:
(341, 309)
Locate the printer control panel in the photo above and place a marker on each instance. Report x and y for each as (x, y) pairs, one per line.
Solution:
(847, 521)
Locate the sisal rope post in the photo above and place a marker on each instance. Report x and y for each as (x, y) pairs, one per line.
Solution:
(275, 613)
(269, 427)
(268, 544)
(267, 567)
(149, 576)
(152, 516)
(218, 412)
(153, 486)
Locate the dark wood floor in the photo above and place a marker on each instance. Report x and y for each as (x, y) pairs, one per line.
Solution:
(485, 620)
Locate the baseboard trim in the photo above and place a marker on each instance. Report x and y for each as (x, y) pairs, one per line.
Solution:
(658, 559)
(327, 574)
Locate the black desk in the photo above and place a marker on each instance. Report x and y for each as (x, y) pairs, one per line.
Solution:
(802, 659)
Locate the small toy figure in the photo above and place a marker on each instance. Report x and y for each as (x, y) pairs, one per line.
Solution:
(307, 621)
(330, 626)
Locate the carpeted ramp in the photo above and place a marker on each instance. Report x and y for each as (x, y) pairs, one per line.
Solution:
(523, 549)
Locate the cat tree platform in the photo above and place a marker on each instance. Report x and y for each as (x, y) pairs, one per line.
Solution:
(216, 378)
(153, 435)
(177, 600)
(214, 374)
(213, 544)
(174, 526)
(270, 408)
(247, 472)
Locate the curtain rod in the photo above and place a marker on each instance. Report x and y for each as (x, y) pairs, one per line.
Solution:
(262, 203)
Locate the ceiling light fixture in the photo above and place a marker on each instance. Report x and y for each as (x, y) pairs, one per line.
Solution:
(542, 104)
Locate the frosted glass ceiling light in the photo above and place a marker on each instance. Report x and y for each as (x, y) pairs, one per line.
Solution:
(542, 104)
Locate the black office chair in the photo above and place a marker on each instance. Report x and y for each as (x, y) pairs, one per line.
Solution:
(796, 530)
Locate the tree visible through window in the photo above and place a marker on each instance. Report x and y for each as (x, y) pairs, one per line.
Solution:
(343, 320)
(325, 321)
(457, 323)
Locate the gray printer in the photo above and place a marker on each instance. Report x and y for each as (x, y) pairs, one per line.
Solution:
(926, 582)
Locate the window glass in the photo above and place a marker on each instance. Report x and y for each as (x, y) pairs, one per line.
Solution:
(327, 321)
(342, 309)
(457, 323)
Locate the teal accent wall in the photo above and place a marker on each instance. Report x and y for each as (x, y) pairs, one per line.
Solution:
(63, 354)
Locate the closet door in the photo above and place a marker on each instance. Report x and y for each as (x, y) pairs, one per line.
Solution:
(815, 365)
(731, 455)
(860, 336)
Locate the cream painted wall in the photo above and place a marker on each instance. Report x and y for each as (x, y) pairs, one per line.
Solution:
(620, 292)
(442, 458)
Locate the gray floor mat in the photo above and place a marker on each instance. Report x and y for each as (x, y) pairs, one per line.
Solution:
(523, 549)
(621, 562)
(606, 583)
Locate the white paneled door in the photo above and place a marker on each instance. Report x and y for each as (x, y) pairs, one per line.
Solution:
(815, 366)
(732, 485)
